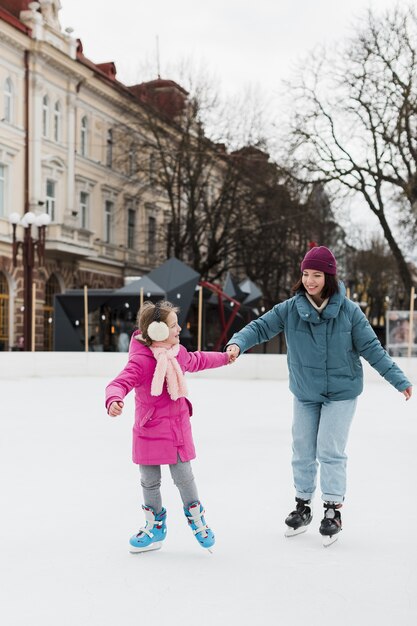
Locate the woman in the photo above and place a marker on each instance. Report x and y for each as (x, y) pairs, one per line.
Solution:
(326, 334)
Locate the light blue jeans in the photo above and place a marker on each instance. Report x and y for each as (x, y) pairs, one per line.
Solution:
(320, 432)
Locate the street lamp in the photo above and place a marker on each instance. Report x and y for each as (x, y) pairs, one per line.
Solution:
(28, 246)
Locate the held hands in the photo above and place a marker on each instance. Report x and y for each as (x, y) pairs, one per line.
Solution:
(115, 409)
(407, 392)
(233, 351)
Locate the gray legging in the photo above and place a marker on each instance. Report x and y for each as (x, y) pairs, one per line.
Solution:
(182, 475)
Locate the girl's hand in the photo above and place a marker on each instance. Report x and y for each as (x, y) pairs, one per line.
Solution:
(115, 409)
(233, 351)
(407, 392)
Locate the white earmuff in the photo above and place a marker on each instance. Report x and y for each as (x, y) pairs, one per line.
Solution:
(158, 331)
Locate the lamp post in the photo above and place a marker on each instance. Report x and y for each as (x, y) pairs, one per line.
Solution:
(28, 246)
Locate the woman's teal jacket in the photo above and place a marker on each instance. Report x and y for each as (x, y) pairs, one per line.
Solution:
(323, 349)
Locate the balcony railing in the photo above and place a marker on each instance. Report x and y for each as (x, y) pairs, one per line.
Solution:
(76, 241)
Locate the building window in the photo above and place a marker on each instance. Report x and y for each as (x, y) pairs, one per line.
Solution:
(84, 203)
(131, 219)
(84, 136)
(8, 100)
(45, 116)
(151, 235)
(152, 168)
(2, 190)
(57, 121)
(108, 217)
(132, 162)
(109, 148)
(4, 313)
(50, 198)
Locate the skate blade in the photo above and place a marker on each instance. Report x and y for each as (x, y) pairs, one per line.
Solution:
(292, 532)
(328, 540)
(153, 546)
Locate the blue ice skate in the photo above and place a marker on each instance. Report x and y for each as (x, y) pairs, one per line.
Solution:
(202, 532)
(150, 536)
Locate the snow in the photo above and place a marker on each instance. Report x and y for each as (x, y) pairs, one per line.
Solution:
(70, 499)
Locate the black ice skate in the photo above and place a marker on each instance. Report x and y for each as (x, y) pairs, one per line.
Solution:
(331, 524)
(299, 519)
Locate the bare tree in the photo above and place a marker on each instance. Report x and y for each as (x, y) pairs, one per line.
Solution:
(356, 120)
(285, 218)
(194, 178)
(374, 280)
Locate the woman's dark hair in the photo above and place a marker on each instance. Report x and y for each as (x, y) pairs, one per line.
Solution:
(331, 286)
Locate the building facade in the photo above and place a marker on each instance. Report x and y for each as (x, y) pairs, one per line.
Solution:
(64, 150)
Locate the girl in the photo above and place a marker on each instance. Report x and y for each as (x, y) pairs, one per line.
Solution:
(325, 334)
(162, 430)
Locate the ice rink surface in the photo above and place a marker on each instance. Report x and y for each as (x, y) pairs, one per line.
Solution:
(70, 500)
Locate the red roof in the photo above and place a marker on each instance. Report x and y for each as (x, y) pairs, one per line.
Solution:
(108, 68)
(165, 95)
(10, 11)
(14, 6)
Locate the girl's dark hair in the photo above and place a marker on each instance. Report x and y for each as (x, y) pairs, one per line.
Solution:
(331, 285)
(146, 315)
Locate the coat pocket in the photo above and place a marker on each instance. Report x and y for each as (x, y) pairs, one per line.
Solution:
(146, 416)
(354, 364)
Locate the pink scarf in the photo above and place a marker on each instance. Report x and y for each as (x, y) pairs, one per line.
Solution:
(167, 368)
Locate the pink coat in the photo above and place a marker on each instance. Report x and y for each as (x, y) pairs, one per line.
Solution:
(162, 429)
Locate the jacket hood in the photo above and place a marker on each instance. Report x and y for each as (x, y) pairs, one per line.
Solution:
(309, 314)
(137, 346)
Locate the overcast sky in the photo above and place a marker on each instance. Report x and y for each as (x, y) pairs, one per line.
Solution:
(241, 42)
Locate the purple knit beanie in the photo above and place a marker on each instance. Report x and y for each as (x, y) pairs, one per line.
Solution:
(319, 258)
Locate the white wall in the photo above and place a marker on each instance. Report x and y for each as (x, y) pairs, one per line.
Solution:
(107, 365)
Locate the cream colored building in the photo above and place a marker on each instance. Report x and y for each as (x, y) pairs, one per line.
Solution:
(61, 140)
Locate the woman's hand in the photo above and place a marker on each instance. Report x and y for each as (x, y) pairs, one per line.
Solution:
(407, 392)
(115, 409)
(233, 351)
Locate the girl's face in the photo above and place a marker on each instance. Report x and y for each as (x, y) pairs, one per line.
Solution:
(174, 329)
(313, 281)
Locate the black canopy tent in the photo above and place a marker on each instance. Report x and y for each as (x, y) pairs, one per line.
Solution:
(173, 280)
(150, 289)
(112, 313)
(69, 316)
(69, 311)
(179, 282)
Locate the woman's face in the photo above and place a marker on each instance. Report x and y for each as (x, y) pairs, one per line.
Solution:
(313, 281)
(174, 329)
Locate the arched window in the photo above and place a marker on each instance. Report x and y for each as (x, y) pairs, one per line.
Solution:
(45, 116)
(8, 100)
(84, 136)
(52, 287)
(57, 121)
(4, 313)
